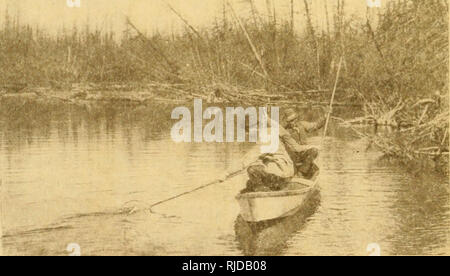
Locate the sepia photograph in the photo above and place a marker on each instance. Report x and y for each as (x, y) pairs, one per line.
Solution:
(224, 128)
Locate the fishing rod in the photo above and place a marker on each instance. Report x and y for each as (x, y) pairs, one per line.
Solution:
(332, 98)
(217, 181)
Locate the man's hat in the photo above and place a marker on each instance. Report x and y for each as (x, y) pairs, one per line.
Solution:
(291, 115)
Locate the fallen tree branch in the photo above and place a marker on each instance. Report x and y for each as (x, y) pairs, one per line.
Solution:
(173, 67)
(252, 46)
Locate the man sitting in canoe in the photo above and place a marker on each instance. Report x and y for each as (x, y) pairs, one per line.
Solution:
(274, 171)
(299, 129)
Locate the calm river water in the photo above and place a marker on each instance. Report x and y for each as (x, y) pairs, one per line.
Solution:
(85, 175)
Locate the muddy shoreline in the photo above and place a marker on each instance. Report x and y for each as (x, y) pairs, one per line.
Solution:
(83, 96)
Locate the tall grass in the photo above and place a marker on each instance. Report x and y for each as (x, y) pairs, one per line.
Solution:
(406, 53)
(220, 53)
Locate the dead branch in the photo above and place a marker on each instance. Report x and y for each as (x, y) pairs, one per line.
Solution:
(255, 52)
(184, 20)
(173, 67)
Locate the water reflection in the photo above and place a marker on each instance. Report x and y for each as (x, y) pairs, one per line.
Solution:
(421, 210)
(68, 170)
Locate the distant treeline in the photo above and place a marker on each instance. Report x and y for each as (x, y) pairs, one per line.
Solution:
(405, 53)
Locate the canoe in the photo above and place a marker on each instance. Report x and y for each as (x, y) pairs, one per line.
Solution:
(263, 206)
(270, 237)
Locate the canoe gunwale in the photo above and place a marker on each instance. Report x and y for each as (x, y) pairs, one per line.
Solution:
(309, 184)
(273, 194)
(264, 206)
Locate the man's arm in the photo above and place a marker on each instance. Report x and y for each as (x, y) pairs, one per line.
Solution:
(313, 126)
(291, 143)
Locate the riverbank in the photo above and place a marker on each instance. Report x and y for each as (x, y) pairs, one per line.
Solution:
(78, 93)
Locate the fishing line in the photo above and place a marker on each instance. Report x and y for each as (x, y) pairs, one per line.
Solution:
(218, 181)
